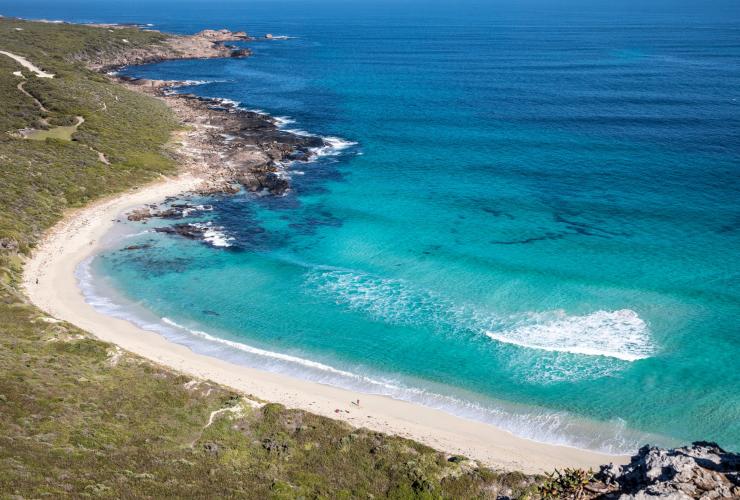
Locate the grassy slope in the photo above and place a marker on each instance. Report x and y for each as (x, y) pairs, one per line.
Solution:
(76, 417)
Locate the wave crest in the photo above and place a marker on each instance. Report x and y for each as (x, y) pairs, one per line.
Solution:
(620, 335)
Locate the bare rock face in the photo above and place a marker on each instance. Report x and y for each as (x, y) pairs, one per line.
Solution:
(700, 471)
(239, 148)
(208, 44)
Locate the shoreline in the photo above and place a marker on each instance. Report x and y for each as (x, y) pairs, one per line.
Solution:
(232, 147)
(57, 292)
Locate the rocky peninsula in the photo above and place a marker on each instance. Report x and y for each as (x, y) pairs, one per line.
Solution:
(229, 147)
(206, 44)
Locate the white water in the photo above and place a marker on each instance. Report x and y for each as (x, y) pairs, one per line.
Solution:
(618, 334)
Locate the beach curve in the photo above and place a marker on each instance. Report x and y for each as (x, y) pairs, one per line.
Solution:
(50, 283)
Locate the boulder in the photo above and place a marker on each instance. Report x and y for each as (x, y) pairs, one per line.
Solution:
(189, 231)
(241, 53)
(702, 470)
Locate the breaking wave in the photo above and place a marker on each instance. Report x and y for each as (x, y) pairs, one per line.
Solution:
(214, 235)
(620, 335)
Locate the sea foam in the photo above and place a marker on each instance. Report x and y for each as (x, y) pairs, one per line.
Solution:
(214, 235)
(621, 335)
(618, 334)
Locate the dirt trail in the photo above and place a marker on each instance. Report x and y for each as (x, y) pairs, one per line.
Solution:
(38, 103)
(28, 65)
(80, 120)
(101, 157)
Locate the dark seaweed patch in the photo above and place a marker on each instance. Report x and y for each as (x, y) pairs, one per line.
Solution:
(497, 213)
(525, 241)
(586, 229)
(149, 266)
(312, 223)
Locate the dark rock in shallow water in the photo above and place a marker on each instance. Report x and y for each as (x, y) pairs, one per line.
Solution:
(189, 231)
(702, 470)
(241, 53)
(260, 180)
(138, 247)
(275, 183)
(174, 211)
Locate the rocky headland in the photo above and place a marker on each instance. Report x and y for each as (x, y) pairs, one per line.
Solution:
(206, 44)
(230, 148)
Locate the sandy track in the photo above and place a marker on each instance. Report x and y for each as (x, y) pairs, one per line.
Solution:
(28, 65)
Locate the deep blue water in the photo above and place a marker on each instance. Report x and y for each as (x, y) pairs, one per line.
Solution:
(538, 225)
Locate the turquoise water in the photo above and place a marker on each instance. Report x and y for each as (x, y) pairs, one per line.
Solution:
(537, 225)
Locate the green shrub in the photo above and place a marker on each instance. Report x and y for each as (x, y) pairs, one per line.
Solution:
(568, 484)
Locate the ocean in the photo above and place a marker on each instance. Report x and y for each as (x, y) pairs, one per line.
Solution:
(531, 216)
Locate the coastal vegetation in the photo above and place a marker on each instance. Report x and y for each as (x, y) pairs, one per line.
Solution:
(79, 417)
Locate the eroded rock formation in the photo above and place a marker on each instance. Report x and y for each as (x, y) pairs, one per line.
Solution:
(700, 471)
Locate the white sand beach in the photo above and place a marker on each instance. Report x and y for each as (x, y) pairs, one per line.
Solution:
(77, 237)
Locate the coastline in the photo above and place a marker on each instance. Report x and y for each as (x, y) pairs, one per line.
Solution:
(57, 292)
(148, 425)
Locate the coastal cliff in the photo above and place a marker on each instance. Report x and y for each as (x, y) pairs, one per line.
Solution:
(81, 417)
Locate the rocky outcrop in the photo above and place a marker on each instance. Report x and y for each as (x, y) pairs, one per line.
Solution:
(222, 35)
(189, 231)
(203, 45)
(240, 53)
(700, 471)
(173, 211)
(233, 148)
